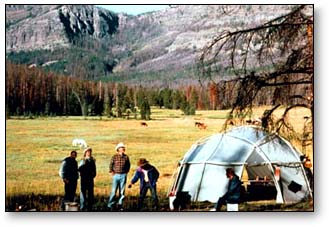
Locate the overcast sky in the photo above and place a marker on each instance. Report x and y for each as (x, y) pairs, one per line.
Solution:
(133, 9)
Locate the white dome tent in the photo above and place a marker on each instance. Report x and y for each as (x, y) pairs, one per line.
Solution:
(201, 172)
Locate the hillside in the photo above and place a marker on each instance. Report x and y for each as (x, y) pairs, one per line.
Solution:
(91, 42)
(33, 27)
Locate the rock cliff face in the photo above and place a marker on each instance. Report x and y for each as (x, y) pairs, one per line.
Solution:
(171, 39)
(174, 37)
(30, 27)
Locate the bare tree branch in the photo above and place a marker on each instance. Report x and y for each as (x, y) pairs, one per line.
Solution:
(277, 54)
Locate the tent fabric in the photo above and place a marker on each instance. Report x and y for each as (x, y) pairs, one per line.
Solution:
(202, 169)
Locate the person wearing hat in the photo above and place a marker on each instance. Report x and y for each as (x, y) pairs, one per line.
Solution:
(69, 174)
(119, 168)
(148, 176)
(87, 169)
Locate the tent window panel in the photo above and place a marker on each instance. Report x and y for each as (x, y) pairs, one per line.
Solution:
(249, 133)
(191, 181)
(204, 150)
(294, 184)
(212, 185)
(278, 151)
(231, 150)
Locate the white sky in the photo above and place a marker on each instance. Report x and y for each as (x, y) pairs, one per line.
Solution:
(133, 9)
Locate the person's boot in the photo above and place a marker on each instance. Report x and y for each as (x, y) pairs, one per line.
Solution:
(111, 208)
(155, 206)
(120, 207)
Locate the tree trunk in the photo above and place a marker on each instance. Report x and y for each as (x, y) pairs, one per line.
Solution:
(83, 104)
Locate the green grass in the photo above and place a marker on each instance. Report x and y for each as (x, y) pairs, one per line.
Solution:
(35, 148)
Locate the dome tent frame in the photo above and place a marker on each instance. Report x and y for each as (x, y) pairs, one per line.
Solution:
(201, 172)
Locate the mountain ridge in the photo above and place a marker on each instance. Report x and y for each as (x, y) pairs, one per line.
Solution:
(166, 40)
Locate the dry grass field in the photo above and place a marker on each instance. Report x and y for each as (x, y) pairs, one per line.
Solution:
(35, 148)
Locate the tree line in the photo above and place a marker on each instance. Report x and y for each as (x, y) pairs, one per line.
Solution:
(33, 92)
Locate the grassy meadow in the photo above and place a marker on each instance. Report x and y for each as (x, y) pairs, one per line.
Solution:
(35, 148)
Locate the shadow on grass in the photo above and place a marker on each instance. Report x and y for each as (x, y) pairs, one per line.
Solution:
(40, 202)
(49, 203)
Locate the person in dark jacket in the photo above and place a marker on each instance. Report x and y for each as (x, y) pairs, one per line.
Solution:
(148, 176)
(233, 191)
(69, 173)
(87, 169)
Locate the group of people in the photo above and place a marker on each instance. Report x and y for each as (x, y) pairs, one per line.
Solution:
(69, 172)
(119, 167)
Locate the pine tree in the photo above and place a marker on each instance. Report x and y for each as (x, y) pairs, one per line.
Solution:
(145, 110)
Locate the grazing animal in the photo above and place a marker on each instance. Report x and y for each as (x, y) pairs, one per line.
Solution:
(256, 121)
(144, 124)
(200, 125)
(197, 124)
(203, 126)
(230, 122)
(79, 142)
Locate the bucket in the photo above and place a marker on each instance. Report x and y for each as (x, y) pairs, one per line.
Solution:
(232, 207)
(71, 206)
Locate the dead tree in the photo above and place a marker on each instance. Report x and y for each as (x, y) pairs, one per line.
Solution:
(284, 50)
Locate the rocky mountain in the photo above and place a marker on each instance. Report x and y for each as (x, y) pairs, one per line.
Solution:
(30, 27)
(169, 40)
(173, 38)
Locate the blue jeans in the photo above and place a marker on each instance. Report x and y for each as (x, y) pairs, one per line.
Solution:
(143, 192)
(221, 201)
(119, 182)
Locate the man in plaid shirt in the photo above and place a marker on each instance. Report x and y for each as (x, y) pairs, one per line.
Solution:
(119, 167)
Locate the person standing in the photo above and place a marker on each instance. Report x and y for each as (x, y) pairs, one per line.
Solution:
(233, 191)
(307, 167)
(69, 173)
(87, 169)
(119, 168)
(148, 176)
